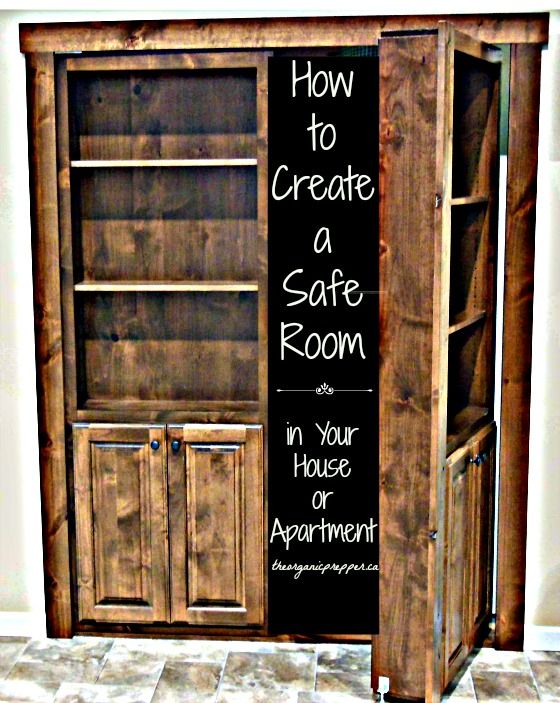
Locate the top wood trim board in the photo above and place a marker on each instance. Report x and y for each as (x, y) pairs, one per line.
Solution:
(531, 28)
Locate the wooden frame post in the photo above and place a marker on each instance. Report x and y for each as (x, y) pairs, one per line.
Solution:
(517, 334)
(48, 335)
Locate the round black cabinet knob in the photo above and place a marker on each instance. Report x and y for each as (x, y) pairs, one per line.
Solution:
(154, 444)
(175, 445)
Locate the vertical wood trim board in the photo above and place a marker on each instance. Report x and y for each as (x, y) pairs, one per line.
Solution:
(518, 326)
(408, 144)
(48, 333)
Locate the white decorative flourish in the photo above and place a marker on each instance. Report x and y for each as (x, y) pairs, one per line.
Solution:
(324, 389)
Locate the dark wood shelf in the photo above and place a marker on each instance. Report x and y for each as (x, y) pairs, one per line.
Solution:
(464, 321)
(167, 286)
(161, 163)
(115, 405)
(463, 424)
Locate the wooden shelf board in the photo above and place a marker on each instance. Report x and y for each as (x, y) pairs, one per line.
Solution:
(470, 200)
(462, 425)
(467, 321)
(133, 405)
(161, 163)
(167, 286)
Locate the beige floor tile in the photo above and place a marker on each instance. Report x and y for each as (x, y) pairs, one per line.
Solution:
(498, 686)
(178, 650)
(94, 693)
(248, 646)
(344, 657)
(77, 660)
(343, 682)
(259, 696)
(10, 650)
(488, 659)
(547, 677)
(535, 655)
(125, 668)
(334, 697)
(27, 692)
(188, 682)
(270, 671)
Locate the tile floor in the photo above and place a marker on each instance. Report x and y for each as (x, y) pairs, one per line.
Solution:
(100, 670)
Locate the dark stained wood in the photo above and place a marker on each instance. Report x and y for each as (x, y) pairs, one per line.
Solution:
(92, 147)
(166, 193)
(468, 548)
(481, 531)
(121, 525)
(473, 233)
(465, 322)
(167, 62)
(408, 150)
(262, 264)
(518, 323)
(67, 251)
(169, 346)
(179, 250)
(216, 524)
(273, 32)
(48, 336)
(148, 112)
(461, 426)
(457, 573)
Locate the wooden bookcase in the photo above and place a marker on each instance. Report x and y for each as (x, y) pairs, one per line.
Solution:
(148, 155)
(439, 103)
(163, 254)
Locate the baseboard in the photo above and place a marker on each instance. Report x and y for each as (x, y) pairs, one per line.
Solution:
(542, 637)
(22, 624)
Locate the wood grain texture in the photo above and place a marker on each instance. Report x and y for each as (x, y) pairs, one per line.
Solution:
(121, 522)
(457, 576)
(482, 483)
(97, 147)
(518, 323)
(169, 346)
(273, 32)
(48, 336)
(216, 526)
(165, 249)
(408, 104)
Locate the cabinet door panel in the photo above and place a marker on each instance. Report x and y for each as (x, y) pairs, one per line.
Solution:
(457, 571)
(482, 502)
(120, 523)
(216, 524)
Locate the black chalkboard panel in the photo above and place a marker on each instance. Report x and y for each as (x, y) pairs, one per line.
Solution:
(323, 345)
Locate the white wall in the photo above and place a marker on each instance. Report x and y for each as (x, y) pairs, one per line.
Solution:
(543, 533)
(21, 577)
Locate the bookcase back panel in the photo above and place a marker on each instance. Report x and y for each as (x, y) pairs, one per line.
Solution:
(168, 346)
(167, 193)
(475, 112)
(157, 114)
(469, 291)
(176, 250)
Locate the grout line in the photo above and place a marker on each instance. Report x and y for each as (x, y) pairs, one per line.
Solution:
(535, 682)
(316, 668)
(218, 687)
(104, 661)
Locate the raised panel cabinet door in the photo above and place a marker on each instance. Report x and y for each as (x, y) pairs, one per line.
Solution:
(456, 562)
(121, 528)
(216, 524)
(482, 510)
